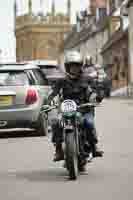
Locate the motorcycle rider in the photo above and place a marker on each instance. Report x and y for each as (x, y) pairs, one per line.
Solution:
(75, 86)
(88, 66)
(94, 71)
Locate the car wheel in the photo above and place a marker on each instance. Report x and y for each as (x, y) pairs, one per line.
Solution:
(43, 126)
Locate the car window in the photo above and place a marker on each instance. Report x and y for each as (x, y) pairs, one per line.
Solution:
(49, 71)
(13, 78)
(48, 66)
(31, 77)
(41, 79)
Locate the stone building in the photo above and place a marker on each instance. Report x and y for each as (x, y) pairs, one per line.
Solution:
(40, 36)
(115, 56)
(115, 50)
(130, 11)
(90, 33)
(100, 31)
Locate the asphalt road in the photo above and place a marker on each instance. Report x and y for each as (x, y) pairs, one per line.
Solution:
(28, 173)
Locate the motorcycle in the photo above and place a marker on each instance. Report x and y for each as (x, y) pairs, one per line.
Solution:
(70, 120)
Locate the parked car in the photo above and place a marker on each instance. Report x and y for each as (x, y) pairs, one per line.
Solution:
(23, 92)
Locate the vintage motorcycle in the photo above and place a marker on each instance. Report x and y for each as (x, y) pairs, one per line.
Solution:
(70, 119)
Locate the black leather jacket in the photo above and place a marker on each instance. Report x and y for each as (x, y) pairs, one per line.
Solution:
(78, 89)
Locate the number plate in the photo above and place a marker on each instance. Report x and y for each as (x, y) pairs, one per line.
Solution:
(6, 100)
(69, 127)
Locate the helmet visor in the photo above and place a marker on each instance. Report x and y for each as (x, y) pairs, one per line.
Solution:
(74, 68)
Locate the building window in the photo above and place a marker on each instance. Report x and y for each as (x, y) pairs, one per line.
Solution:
(101, 13)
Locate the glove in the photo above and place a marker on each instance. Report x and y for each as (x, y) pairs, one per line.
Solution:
(92, 98)
(52, 102)
(100, 96)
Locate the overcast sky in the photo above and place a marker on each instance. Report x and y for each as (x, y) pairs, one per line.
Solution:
(7, 38)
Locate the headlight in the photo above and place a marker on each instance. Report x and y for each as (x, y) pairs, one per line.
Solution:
(68, 106)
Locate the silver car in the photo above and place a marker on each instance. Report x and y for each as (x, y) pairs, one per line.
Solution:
(23, 92)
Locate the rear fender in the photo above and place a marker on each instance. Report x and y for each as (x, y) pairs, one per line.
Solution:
(72, 130)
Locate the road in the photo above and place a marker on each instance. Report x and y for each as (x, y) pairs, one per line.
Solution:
(28, 173)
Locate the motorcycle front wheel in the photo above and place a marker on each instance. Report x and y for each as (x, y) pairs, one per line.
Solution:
(71, 156)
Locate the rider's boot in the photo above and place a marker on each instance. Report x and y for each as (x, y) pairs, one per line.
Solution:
(59, 154)
(96, 152)
(82, 164)
(82, 168)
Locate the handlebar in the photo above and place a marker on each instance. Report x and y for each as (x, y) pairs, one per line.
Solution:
(48, 108)
(88, 104)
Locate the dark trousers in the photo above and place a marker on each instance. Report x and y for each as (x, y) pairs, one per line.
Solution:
(88, 125)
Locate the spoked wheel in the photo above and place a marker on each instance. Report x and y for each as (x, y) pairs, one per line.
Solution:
(71, 156)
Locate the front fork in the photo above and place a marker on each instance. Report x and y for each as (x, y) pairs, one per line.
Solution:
(73, 126)
(72, 129)
(76, 137)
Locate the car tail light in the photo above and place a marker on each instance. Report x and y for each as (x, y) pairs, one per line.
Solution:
(31, 97)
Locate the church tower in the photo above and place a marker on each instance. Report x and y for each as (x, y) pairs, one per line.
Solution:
(30, 7)
(15, 12)
(69, 9)
(41, 9)
(93, 7)
(15, 9)
(41, 36)
(53, 8)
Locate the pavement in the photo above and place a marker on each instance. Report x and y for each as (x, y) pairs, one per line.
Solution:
(28, 173)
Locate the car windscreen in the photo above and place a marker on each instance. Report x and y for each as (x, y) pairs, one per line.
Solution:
(48, 69)
(13, 78)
